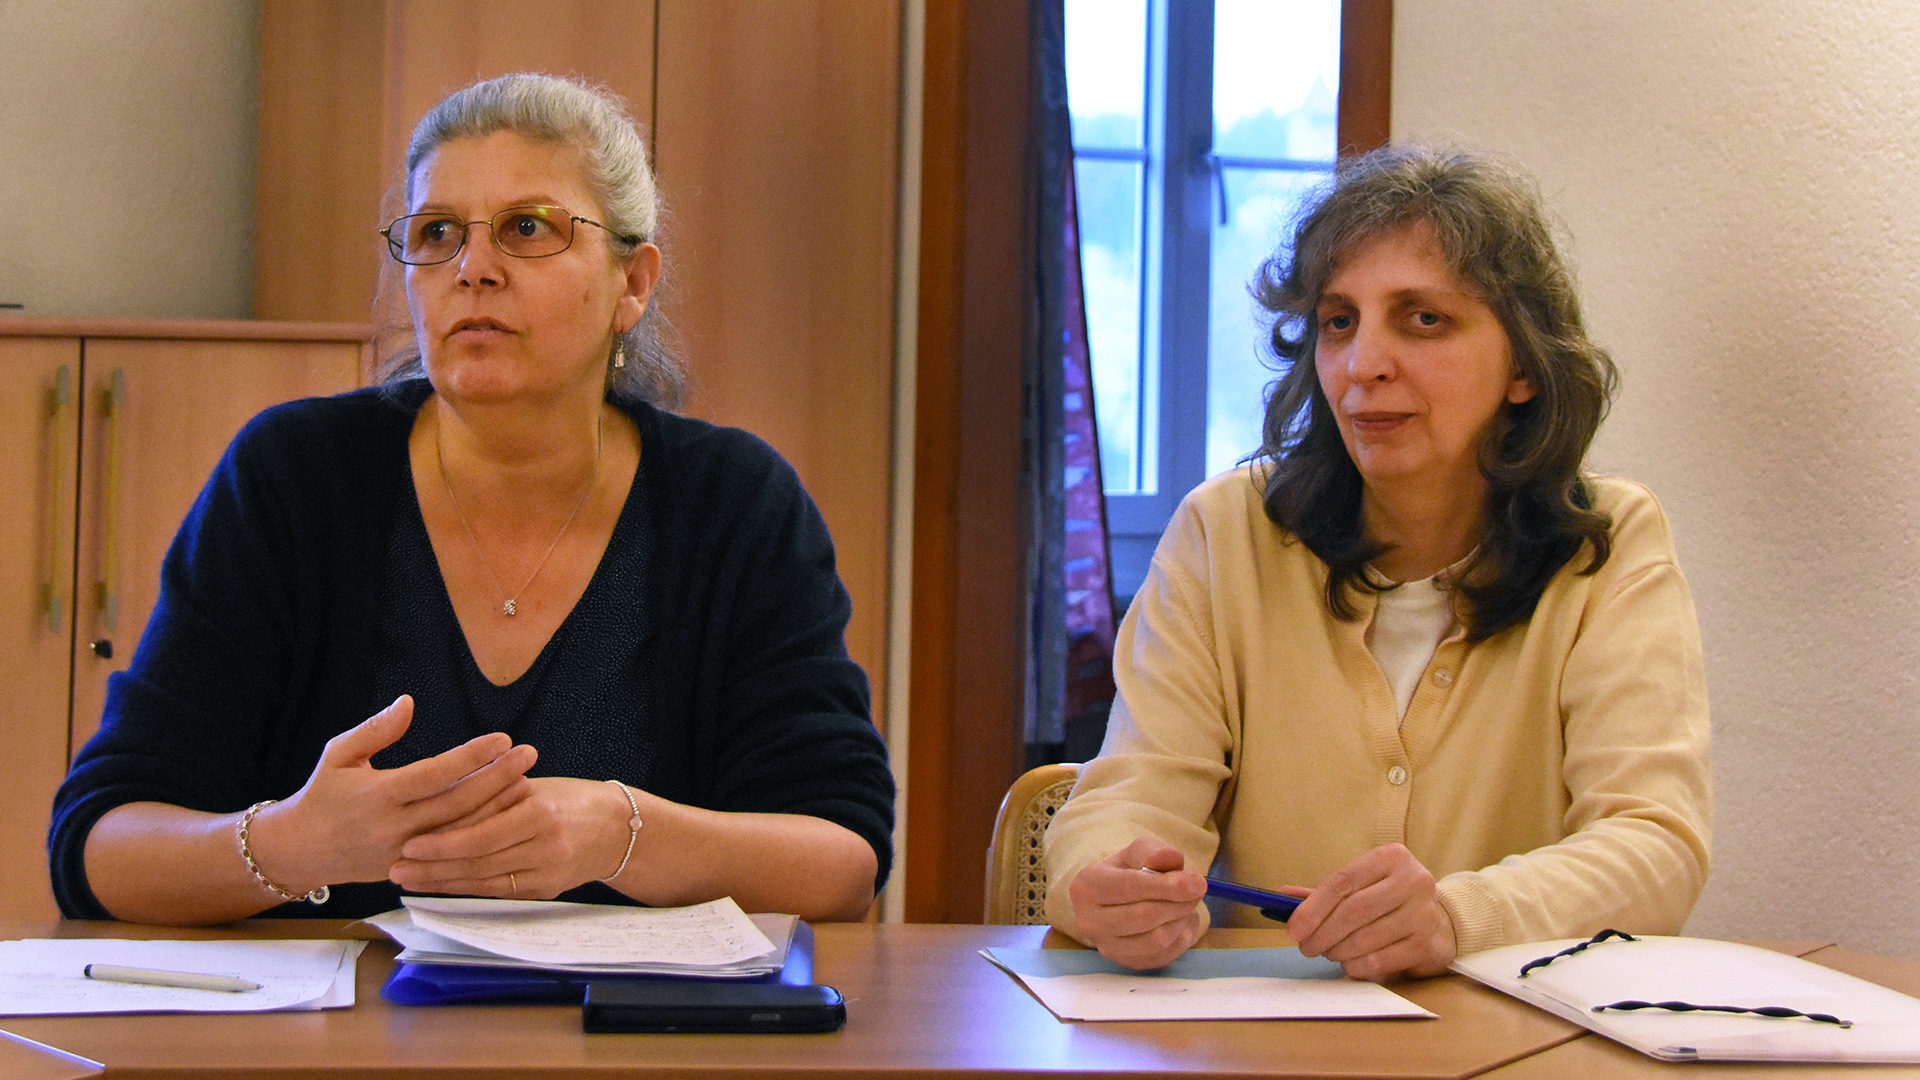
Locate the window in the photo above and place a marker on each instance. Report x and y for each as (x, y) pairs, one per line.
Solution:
(1196, 128)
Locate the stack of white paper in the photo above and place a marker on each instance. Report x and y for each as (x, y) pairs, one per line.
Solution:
(43, 976)
(713, 939)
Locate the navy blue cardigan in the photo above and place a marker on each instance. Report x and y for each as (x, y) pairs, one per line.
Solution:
(705, 663)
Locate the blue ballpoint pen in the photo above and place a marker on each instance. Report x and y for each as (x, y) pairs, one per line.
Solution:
(1275, 906)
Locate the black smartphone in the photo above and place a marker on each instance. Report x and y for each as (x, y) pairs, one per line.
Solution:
(711, 1007)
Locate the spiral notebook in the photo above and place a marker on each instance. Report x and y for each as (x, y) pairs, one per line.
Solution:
(1695, 999)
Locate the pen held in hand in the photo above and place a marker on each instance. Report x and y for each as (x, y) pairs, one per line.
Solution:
(1276, 906)
(179, 980)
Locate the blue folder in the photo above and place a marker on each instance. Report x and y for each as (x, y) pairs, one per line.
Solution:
(471, 984)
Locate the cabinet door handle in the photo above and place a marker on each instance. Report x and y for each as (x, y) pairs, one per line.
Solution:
(110, 518)
(55, 595)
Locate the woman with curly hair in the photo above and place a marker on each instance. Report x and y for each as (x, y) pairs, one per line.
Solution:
(1411, 663)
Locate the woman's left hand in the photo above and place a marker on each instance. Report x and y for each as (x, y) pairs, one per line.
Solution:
(567, 832)
(1379, 916)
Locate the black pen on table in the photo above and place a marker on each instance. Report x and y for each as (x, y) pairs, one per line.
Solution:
(179, 980)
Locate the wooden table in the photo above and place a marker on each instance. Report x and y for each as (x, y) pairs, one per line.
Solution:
(920, 1002)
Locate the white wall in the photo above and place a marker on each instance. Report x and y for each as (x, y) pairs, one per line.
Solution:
(1741, 182)
(126, 156)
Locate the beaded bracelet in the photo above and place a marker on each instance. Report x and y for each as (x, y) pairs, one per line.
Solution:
(317, 896)
(633, 828)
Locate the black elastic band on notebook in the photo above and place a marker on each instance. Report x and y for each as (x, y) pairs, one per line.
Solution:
(1594, 940)
(1780, 1011)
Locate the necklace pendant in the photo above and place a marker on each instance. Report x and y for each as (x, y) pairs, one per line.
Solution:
(507, 608)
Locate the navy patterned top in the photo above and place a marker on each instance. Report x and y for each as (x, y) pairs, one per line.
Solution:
(705, 661)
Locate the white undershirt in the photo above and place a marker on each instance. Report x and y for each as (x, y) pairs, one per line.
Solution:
(1408, 625)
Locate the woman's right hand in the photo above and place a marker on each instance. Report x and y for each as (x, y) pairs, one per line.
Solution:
(1139, 906)
(350, 819)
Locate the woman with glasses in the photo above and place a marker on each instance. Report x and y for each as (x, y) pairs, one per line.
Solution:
(1412, 664)
(504, 625)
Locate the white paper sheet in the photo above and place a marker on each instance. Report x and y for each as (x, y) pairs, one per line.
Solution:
(42, 976)
(715, 937)
(1204, 984)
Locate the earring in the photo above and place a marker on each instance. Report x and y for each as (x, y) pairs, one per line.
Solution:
(619, 356)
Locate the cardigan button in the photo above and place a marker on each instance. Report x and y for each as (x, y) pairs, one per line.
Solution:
(1397, 775)
(1443, 678)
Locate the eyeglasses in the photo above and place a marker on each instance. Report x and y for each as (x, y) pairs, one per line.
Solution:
(524, 232)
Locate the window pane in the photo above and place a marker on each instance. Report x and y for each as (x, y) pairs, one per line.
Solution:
(1109, 199)
(1276, 74)
(1107, 72)
(1270, 104)
(1260, 206)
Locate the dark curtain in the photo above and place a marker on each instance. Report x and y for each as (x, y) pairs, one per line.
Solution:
(1070, 584)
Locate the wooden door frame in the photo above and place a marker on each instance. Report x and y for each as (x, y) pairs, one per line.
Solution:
(975, 308)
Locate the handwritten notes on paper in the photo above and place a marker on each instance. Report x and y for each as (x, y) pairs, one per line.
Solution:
(711, 938)
(42, 977)
(1204, 984)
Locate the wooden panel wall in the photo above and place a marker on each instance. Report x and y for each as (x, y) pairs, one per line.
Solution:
(775, 131)
(434, 48)
(318, 180)
(778, 153)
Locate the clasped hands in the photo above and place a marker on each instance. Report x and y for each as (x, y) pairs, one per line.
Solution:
(468, 821)
(1379, 916)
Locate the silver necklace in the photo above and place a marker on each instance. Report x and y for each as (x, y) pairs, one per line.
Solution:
(510, 604)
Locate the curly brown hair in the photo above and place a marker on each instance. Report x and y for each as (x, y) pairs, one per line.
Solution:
(1496, 239)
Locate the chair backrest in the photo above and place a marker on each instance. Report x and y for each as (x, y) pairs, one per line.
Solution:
(1016, 876)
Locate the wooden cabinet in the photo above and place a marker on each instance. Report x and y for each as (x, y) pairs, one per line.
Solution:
(107, 432)
(38, 452)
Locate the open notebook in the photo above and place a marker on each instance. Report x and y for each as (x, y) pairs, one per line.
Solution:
(1655, 989)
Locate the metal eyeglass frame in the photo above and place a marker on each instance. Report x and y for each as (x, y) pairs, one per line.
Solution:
(396, 247)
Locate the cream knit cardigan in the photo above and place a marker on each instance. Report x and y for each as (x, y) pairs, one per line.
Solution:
(1554, 778)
